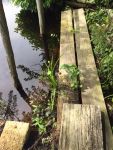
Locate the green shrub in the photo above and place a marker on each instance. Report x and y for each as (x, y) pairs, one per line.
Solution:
(31, 4)
(101, 29)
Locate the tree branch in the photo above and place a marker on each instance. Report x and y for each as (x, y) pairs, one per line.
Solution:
(75, 4)
(80, 4)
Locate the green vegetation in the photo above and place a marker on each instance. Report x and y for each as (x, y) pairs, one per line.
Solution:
(100, 3)
(44, 111)
(103, 2)
(31, 4)
(73, 73)
(101, 30)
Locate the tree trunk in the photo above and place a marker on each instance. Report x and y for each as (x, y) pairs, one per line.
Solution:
(41, 19)
(41, 16)
(9, 51)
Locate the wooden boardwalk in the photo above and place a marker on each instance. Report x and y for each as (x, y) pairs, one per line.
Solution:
(91, 92)
(83, 126)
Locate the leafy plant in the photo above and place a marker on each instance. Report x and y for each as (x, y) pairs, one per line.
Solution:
(43, 114)
(101, 30)
(73, 73)
(31, 4)
(102, 2)
(39, 120)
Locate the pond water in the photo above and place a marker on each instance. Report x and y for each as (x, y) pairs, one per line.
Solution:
(27, 50)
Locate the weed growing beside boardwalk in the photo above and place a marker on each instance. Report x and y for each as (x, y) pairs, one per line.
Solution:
(101, 32)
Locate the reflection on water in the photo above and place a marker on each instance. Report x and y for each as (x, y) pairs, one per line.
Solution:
(31, 74)
(9, 53)
(27, 26)
(8, 109)
(26, 59)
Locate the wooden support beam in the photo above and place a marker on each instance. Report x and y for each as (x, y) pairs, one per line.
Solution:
(81, 128)
(91, 92)
(14, 135)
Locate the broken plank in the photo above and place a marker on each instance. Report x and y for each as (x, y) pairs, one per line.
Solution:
(14, 135)
(81, 128)
(91, 92)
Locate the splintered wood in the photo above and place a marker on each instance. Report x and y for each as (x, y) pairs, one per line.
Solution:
(81, 128)
(14, 135)
(91, 92)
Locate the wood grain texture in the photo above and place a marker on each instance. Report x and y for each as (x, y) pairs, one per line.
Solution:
(67, 56)
(81, 128)
(14, 135)
(91, 91)
(67, 49)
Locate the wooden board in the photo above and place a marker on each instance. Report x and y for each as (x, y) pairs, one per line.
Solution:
(67, 49)
(67, 56)
(91, 91)
(14, 135)
(81, 128)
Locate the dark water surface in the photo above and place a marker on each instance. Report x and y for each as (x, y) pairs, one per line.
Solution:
(28, 54)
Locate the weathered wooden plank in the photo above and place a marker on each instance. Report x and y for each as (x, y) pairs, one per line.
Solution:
(81, 128)
(91, 91)
(14, 135)
(67, 50)
(67, 56)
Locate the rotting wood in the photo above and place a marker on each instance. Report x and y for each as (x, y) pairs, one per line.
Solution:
(91, 91)
(67, 56)
(14, 135)
(81, 128)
